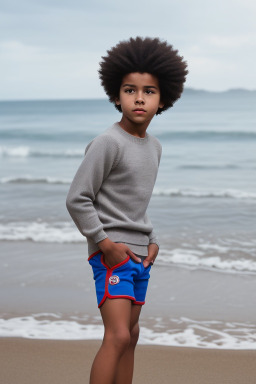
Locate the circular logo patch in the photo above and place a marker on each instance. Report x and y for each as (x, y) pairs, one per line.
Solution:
(113, 280)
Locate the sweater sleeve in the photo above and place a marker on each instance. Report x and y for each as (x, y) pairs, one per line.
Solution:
(153, 239)
(101, 155)
(152, 235)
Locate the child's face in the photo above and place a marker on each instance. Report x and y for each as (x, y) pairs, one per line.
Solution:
(139, 97)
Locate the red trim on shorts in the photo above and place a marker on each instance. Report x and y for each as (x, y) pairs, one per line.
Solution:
(115, 266)
(93, 254)
(108, 275)
(139, 302)
(116, 297)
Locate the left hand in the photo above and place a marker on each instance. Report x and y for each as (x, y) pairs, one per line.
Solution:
(152, 254)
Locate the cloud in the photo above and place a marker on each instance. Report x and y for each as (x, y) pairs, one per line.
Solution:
(231, 42)
(16, 50)
(51, 48)
(35, 72)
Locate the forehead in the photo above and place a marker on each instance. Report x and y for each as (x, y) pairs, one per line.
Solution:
(140, 79)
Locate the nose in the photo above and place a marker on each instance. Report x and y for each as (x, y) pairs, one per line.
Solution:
(139, 98)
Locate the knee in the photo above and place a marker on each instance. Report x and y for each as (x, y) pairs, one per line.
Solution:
(120, 339)
(134, 335)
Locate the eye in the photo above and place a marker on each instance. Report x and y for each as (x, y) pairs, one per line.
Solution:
(149, 91)
(129, 90)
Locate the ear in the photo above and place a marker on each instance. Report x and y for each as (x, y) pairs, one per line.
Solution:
(117, 101)
(161, 104)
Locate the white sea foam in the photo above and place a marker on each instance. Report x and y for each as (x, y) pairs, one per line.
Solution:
(58, 232)
(20, 151)
(25, 151)
(198, 259)
(172, 192)
(27, 179)
(193, 192)
(66, 232)
(179, 332)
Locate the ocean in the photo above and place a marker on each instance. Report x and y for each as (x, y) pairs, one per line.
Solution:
(202, 288)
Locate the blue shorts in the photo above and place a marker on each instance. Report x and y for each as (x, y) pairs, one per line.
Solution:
(128, 279)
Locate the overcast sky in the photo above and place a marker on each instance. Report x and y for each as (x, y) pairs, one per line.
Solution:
(51, 48)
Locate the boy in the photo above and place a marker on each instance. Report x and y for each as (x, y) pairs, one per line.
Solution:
(111, 190)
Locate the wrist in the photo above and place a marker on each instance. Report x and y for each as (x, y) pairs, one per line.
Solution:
(154, 244)
(105, 245)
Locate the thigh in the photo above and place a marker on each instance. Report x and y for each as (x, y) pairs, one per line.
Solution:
(121, 322)
(119, 313)
(135, 315)
(116, 314)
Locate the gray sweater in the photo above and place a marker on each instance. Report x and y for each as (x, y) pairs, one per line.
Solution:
(111, 190)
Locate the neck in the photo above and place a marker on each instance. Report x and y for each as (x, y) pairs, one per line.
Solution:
(138, 130)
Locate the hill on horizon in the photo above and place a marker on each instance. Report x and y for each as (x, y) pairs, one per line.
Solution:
(190, 90)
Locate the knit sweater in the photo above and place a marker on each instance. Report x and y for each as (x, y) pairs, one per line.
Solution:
(112, 188)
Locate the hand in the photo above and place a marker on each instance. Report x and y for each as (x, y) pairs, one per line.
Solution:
(115, 253)
(152, 254)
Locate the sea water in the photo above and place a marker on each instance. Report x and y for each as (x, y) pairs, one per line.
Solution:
(203, 204)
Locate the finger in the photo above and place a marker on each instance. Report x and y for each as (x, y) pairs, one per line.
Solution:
(134, 257)
(148, 261)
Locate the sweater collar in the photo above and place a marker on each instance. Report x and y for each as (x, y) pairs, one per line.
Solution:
(130, 137)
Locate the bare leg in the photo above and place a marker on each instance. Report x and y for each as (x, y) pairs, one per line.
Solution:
(124, 371)
(116, 315)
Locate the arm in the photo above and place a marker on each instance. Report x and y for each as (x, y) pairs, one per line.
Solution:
(100, 157)
(153, 239)
(152, 254)
(153, 248)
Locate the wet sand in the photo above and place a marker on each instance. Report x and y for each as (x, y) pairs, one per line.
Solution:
(26, 361)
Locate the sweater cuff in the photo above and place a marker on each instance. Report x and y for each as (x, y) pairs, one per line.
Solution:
(99, 236)
(153, 239)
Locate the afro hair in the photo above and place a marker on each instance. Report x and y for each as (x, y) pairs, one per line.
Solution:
(149, 55)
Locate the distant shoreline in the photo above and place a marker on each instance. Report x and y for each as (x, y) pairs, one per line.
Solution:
(187, 91)
(231, 90)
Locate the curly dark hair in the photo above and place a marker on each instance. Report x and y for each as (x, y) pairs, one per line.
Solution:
(149, 55)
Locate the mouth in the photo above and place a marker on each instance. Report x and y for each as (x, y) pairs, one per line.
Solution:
(139, 111)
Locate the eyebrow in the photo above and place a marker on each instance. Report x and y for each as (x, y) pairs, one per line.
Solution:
(146, 86)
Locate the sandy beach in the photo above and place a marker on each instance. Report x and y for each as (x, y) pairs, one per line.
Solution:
(24, 361)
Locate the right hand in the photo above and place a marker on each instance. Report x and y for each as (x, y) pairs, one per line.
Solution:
(115, 253)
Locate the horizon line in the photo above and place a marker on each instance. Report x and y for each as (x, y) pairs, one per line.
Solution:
(238, 89)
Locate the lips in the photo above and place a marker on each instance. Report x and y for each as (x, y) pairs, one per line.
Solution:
(139, 111)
